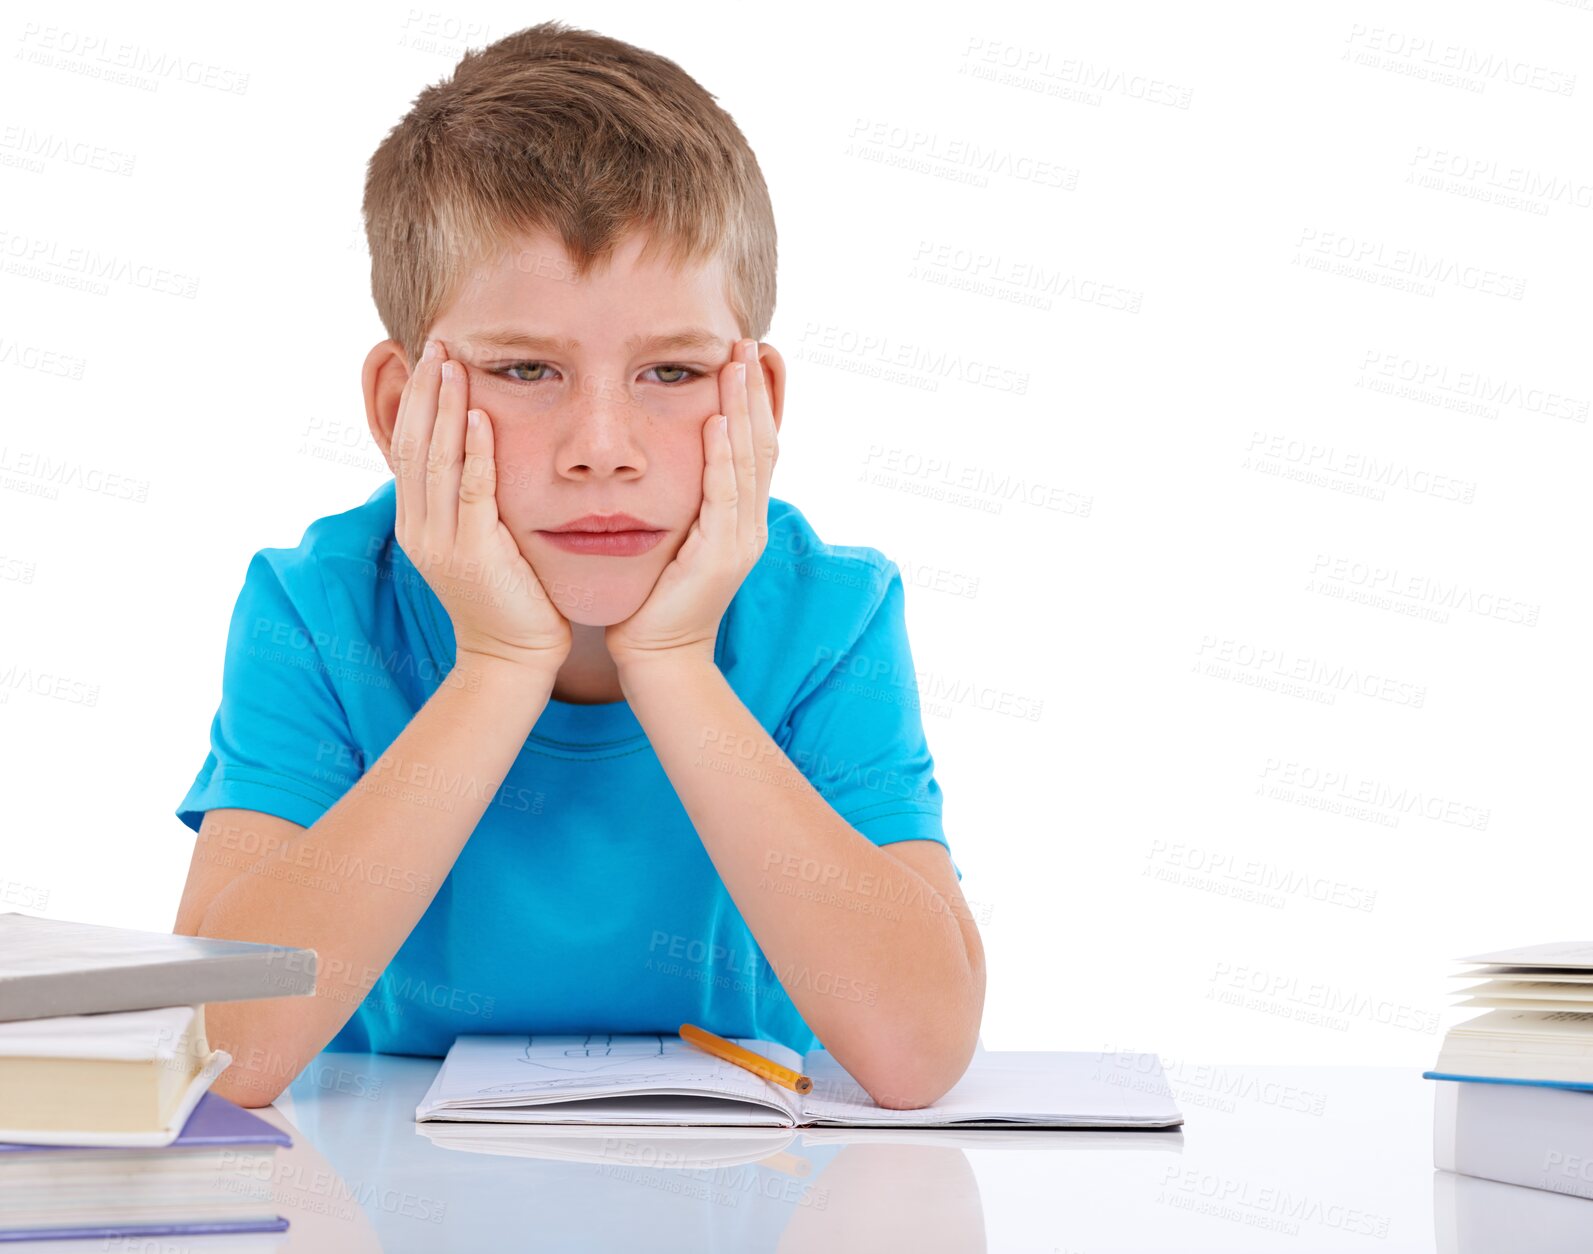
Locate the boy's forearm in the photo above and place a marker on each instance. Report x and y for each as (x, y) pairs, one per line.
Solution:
(409, 815)
(877, 962)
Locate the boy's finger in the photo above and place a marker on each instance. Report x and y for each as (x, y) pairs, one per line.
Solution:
(446, 456)
(422, 419)
(744, 470)
(412, 437)
(478, 485)
(396, 455)
(717, 521)
(765, 436)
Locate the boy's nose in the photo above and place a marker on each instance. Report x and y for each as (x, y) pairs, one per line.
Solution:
(600, 440)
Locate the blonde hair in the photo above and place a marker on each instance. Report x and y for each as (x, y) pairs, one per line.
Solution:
(566, 131)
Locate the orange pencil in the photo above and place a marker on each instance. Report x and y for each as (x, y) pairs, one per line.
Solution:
(755, 1063)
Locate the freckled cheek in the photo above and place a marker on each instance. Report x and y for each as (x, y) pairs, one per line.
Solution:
(677, 457)
(518, 454)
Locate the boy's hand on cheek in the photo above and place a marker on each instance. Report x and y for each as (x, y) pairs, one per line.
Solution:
(446, 520)
(681, 616)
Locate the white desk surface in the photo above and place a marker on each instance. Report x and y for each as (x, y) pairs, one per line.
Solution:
(1269, 1158)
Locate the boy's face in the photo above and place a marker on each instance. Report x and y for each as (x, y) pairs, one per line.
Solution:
(597, 425)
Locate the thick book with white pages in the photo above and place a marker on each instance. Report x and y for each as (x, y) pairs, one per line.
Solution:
(1529, 1046)
(659, 1079)
(122, 1078)
(1538, 1025)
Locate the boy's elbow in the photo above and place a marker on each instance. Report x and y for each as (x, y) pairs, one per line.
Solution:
(248, 1089)
(267, 1052)
(913, 1093)
(899, 1086)
(906, 1101)
(256, 1100)
(916, 1075)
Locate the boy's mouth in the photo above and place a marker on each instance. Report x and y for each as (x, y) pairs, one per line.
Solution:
(603, 543)
(603, 522)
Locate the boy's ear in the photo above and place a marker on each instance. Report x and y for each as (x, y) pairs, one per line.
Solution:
(383, 378)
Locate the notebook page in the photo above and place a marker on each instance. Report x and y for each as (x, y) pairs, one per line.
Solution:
(492, 1071)
(1021, 1086)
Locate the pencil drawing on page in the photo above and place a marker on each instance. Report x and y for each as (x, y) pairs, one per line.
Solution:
(569, 1062)
(587, 1055)
(545, 1068)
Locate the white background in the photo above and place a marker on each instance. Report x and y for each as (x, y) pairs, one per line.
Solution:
(1217, 376)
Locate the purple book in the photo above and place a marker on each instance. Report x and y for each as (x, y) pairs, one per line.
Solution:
(214, 1121)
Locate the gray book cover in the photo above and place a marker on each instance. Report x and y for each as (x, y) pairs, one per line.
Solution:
(55, 967)
(1536, 1135)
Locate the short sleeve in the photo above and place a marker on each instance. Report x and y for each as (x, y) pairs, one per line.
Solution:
(280, 741)
(858, 737)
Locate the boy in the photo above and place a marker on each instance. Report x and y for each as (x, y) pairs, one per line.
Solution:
(571, 727)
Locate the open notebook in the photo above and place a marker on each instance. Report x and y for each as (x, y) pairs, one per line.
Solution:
(663, 1080)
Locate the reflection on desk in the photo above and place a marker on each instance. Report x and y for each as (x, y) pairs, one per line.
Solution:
(1297, 1158)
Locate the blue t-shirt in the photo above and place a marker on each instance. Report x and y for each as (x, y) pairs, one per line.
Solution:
(583, 900)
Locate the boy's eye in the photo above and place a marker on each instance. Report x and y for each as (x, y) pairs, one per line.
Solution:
(686, 373)
(508, 371)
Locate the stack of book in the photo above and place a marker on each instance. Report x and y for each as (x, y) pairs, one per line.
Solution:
(1516, 1099)
(108, 1127)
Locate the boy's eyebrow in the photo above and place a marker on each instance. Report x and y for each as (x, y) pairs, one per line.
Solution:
(511, 337)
